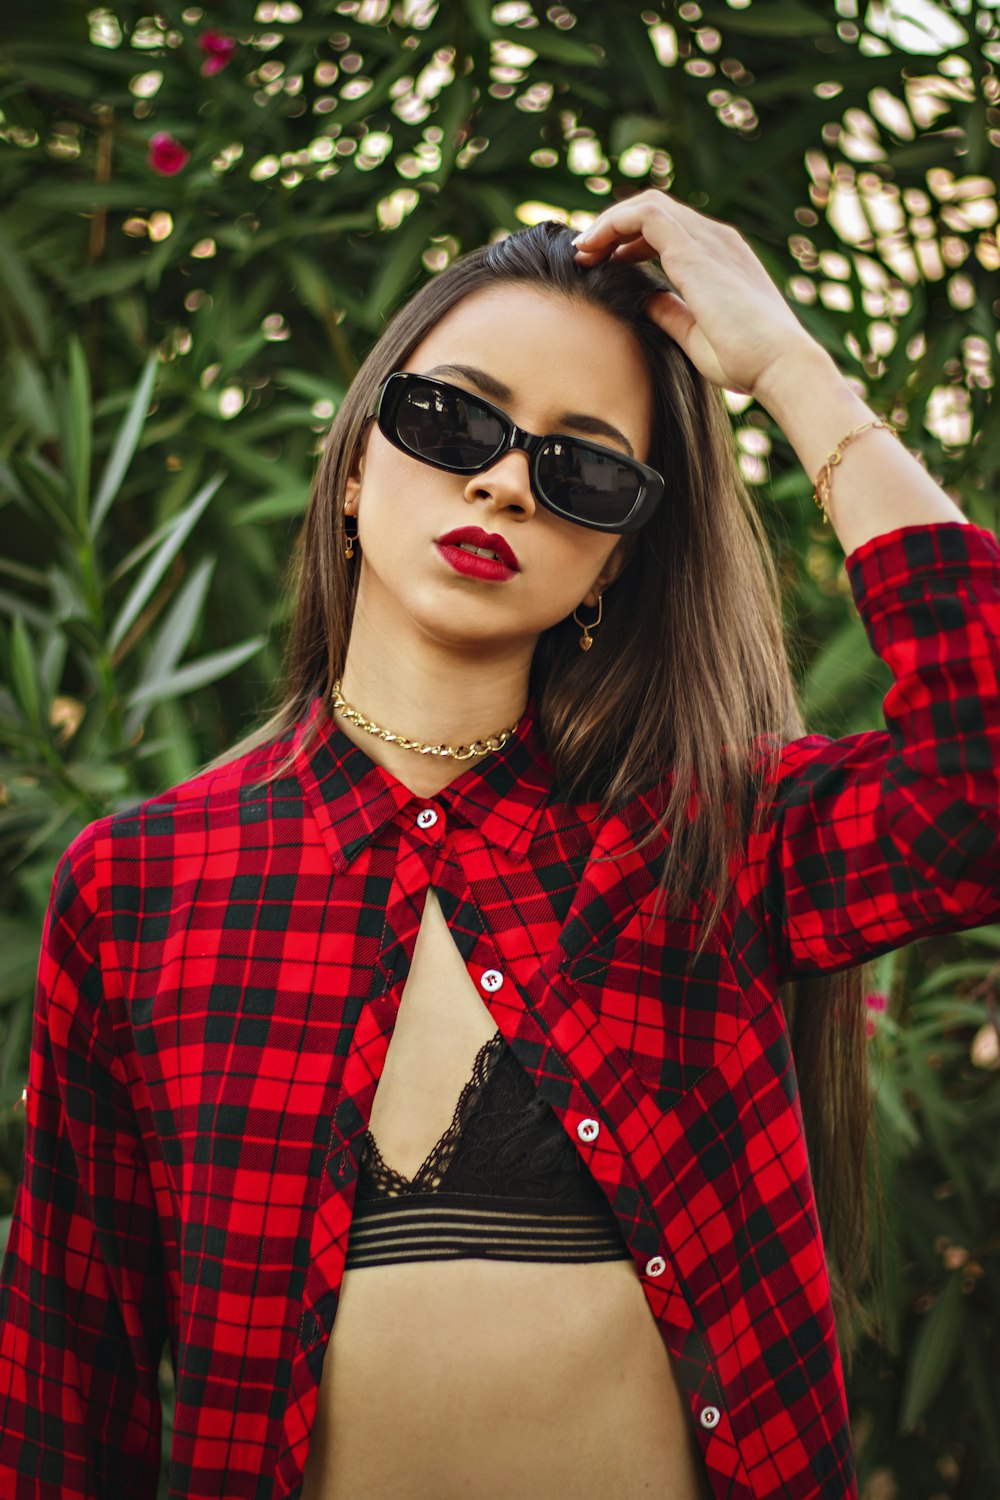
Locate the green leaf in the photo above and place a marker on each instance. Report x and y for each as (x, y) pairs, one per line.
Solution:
(555, 47)
(24, 680)
(70, 197)
(29, 575)
(312, 386)
(108, 279)
(196, 674)
(948, 975)
(652, 82)
(894, 1112)
(932, 1353)
(47, 487)
(13, 604)
(629, 130)
(52, 662)
(452, 114)
(277, 505)
(982, 1382)
(77, 430)
(173, 636)
(836, 670)
(497, 202)
(30, 396)
(41, 837)
(125, 444)
(251, 461)
(158, 564)
(104, 780)
(43, 69)
(400, 264)
(22, 303)
(776, 19)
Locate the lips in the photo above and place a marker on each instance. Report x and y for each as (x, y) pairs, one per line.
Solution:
(486, 540)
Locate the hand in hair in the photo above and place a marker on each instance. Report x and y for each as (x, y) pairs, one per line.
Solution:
(727, 314)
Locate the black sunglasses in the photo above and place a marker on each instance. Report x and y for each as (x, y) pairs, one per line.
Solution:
(449, 428)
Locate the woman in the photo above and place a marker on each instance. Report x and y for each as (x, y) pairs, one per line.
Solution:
(419, 1068)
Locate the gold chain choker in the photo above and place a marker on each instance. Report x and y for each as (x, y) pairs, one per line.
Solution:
(455, 752)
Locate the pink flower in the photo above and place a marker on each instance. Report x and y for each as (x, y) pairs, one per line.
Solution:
(166, 155)
(876, 1004)
(218, 49)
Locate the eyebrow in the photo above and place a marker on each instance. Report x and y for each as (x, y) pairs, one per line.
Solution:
(490, 386)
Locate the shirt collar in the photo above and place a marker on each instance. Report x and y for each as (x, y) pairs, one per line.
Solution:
(353, 798)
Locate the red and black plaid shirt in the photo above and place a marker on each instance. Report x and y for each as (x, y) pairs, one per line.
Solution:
(220, 973)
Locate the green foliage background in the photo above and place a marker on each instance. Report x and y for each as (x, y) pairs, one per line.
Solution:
(175, 346)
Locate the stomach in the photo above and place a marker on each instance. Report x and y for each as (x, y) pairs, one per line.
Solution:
(484, 1379)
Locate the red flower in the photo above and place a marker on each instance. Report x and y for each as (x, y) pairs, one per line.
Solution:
(167, 156)
(218, 49)
(876, 1004)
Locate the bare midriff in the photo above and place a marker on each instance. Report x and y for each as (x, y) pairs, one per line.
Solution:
(477, 1379)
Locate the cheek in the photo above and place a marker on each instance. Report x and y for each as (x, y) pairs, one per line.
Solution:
(397, 491)
(574, 555)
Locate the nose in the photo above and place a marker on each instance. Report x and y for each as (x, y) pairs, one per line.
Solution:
(506, 484)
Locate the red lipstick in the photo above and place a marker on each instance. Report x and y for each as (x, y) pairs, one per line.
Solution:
(502, 566)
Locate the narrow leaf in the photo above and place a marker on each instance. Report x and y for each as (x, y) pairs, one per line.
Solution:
(47, 487)
(124, 445)
(160, 561)
(30, 397)
(400, 263)
(78, 433)
(172, 638)
(196, 674)
(933, 1352)
(555, 47)
(22, 673)
(21, 296)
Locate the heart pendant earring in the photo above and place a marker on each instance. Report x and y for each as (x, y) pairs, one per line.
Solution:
(587, 640)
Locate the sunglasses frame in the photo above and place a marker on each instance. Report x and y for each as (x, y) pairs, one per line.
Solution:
(389, 398)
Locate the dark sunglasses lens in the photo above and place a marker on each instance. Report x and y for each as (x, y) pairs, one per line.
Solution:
(444, 427)
(587, 486)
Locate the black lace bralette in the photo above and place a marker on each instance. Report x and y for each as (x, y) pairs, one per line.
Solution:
(503, 1138)
(504, 1180)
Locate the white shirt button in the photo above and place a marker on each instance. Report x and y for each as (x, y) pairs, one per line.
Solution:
(656, 1266)
(587, 1130)
(426, 817)
(491, 980)
(709, 1416)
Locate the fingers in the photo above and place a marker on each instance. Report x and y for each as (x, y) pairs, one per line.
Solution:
(624, 219)
(672, 314)
(632, 249)
(639, 249)
(646, 224)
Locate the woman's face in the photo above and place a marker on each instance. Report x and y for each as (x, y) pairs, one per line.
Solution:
(568, 367)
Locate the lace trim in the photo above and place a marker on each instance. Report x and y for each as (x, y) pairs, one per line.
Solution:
(430, 1173)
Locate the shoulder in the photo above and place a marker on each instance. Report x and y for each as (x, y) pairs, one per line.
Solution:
(184, 823)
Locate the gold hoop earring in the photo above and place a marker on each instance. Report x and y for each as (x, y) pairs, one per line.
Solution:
(349, 536)
(587, 640)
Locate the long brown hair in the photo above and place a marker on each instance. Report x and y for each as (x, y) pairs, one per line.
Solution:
(693, 624)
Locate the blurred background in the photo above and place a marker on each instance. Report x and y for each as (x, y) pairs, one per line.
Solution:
(209, 212)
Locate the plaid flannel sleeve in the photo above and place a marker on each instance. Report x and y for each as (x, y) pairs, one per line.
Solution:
(82, 1314)
(883, 837)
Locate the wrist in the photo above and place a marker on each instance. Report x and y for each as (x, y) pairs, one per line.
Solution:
(806, 367)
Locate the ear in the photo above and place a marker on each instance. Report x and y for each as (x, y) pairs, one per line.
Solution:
(620, 554)
(352, 484)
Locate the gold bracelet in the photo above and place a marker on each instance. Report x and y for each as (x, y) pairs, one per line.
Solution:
(824, 476)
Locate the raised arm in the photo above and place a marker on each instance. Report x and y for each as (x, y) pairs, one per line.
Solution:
(737, 329)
